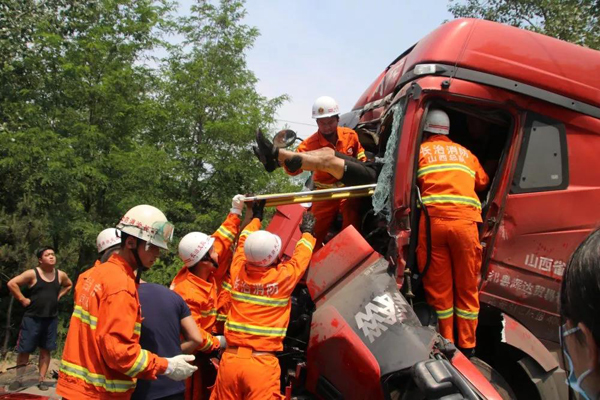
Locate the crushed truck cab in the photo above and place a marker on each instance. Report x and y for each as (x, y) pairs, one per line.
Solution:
(528, 106)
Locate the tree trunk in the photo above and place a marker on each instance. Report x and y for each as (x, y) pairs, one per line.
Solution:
(7, 328)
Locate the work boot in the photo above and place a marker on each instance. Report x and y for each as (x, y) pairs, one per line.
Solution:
(266, 152)
(15, 385)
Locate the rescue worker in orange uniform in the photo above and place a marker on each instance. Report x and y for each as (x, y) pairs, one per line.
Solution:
(448, 177)
(107, 242)
(206, 261)
(102, 357)
(260, 310)
(343, 141)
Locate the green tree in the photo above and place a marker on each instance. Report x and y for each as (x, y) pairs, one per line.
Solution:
(90, 128)
(574, 21)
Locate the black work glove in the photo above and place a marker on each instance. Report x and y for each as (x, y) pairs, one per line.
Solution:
(258, 209)
(308, 223)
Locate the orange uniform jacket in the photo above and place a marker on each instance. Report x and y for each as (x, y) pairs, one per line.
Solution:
(102, 356)
(448, 177)
(347, 143)
(260, 297)
(202, 296)
(82, 277)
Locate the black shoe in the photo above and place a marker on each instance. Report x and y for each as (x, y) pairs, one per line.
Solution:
(266, 152)
(469, 353)
(43, 386)
(15, 385)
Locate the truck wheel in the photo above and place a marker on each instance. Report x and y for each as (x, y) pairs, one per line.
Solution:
(497, 381)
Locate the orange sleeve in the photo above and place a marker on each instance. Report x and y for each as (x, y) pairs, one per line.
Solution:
(239, 258)
(297, 265)
(482, 179)
(209, 342)
(117, 322)
(224, 238)
(360, 151)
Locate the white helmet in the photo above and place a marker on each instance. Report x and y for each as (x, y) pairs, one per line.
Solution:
(194, 246)
(262, 248)
(325, 106)
(149, 224)
(108, 238)
(437, 122)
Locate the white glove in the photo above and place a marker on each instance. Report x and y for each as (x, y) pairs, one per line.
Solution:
(237, 204)
(222, 341)
(179, 367)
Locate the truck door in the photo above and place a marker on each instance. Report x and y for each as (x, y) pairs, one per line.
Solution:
(525, 233)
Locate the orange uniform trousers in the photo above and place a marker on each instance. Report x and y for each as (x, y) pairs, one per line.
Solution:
(451, 282)
(326, 211)
(247, 377)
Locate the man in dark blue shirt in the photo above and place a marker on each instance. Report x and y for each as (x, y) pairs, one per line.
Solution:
(165, 318)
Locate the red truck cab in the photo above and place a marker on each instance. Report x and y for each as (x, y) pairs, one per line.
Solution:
(528, 106)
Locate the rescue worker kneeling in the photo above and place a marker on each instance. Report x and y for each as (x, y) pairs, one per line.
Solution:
(102, 357)
(260, 310)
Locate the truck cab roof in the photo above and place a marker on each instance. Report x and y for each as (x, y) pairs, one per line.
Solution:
(499, 50)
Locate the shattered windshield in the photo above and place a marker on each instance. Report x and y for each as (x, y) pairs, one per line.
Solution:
(382, 198)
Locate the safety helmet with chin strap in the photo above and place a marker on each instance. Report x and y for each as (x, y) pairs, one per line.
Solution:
(194, 246)
(148, 224)
(262, 248)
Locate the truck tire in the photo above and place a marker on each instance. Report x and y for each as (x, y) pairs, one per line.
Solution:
(497, 381)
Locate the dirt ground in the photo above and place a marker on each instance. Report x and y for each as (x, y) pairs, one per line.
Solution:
(29, 380)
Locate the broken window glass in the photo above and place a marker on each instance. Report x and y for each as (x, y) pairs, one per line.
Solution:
(382, 198)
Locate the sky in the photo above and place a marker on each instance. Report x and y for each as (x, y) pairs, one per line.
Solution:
(336, 48)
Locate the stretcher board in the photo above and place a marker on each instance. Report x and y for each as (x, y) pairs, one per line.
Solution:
(278, 199)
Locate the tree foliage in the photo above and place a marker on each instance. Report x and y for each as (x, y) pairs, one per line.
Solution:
(92, 122)
(574, 21)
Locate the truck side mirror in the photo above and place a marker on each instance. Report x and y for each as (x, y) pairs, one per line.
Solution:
(284, 138)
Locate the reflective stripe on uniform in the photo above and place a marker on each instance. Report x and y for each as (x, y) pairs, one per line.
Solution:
(208, 313)
(207, 345)
(226, 286)
(443, 314)
(137, 329)
(260, 300)
(110, 385)
(451, 198)
(305, 243)
(445, 167)
(140, 364)
(464, 314)
(226, 233)
(245, 233)
(221, 317)
(360, 154)
(255, 330)
(85, 317)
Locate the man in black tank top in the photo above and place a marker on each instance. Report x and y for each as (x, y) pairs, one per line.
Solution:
(46, 286)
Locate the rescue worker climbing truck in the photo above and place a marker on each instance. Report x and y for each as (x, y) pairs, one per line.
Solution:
(528, 107)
